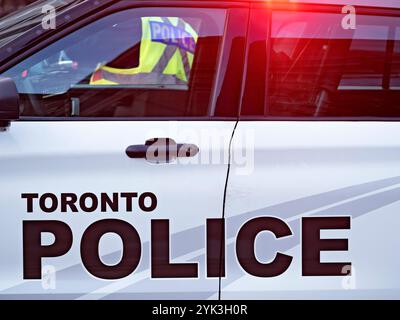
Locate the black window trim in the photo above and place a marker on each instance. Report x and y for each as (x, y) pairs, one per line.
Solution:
(126, 119)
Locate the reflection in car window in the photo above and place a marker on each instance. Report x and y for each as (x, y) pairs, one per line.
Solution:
(395, 79)
(316, 68)
(18, 22)
(73, 59)
(131, 63)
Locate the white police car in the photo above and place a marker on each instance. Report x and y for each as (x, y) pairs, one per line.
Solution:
(272, 172)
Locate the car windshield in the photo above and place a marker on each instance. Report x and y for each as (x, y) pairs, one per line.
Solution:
(16, 23)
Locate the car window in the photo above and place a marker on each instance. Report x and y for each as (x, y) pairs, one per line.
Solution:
(317, 68)
(148, 62)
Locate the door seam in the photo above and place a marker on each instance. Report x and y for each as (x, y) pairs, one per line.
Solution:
(222, 254)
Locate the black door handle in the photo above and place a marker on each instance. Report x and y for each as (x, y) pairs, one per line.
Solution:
(162, 150)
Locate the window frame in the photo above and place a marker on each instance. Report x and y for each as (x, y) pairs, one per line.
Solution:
(234, 11)
(268, 8)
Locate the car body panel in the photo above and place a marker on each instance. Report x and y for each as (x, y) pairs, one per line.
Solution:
(318, 169)
(80, 157)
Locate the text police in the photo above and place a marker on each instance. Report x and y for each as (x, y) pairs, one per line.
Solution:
(161, 264)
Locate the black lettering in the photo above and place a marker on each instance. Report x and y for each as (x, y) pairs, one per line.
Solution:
(54, 202)
(142, 202)
(33, 251)
(160, 259)
(69, 200)
(131, 253)
(107, 201)
(245, 247)
(94, 204)
(313, 245)
(215, 248)
(129, 200)
(29, 200)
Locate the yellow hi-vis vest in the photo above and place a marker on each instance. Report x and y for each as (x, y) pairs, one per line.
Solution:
(166, 55)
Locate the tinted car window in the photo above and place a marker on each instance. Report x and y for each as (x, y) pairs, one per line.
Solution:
(395, 72)
(316, 68)
(149, 62)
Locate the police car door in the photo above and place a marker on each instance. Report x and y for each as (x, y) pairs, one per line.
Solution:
(108, 180)
(318, 203)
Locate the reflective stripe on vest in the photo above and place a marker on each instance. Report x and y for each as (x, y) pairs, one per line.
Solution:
(183, 48)
(138, 79)
(167, 50)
